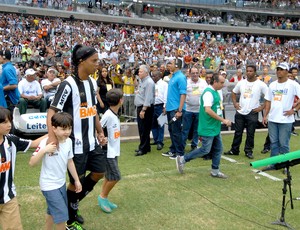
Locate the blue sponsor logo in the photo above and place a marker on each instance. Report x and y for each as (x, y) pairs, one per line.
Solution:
(37, 126)
(37, 116)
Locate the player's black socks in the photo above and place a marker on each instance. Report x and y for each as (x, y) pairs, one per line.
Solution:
(87, 186)
(72, 205)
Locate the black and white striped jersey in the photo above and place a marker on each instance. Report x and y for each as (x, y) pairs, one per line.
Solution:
(8, 150)
(78, 98)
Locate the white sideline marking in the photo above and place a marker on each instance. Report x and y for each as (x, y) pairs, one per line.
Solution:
(266, 175)
(139, 175)
(254, 170)
(229, 159)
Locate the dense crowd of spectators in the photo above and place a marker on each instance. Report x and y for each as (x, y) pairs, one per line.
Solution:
(275, 3)
(40, 43)
(137, 40)
(131, 44)
(274, 22)
(184, 15)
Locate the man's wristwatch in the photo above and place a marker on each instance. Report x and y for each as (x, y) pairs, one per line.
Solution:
(295, 110)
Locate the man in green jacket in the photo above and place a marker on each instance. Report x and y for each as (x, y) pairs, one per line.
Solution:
(209, 128)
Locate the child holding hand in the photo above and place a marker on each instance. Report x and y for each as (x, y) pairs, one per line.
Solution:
(55, 162)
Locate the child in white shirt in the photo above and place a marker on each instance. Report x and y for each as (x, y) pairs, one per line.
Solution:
(111, 124)
(55, 162)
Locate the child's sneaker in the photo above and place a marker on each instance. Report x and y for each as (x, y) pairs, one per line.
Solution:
(111, 204)
(74, 226)
(79, 217)
(104, 205)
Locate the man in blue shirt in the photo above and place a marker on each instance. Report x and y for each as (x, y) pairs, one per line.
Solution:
(2, 98)
(9, 80)
(175, 108)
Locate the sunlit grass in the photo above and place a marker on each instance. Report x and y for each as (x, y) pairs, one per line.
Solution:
(152, 195)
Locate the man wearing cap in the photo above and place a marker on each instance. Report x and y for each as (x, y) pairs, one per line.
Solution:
(9, 80)
(223, 73)
(279, 110)
(31, 93)
(49, 85)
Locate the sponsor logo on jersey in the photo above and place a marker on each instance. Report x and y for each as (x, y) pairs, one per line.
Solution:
(52, 154)
(117, 134)
(63, 97)
(85, 112)
(78, 142)
(4, 166)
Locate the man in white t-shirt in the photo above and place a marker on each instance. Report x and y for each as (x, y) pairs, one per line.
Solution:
(49, 85)
(247, 110)
(195, 87)
(31, 93)
(280, 111)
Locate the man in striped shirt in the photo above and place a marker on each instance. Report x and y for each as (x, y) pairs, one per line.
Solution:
(77, 95)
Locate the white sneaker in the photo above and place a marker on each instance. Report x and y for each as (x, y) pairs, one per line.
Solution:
(173, 157)
(179, 164)
(219, 175)
(167, 154)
